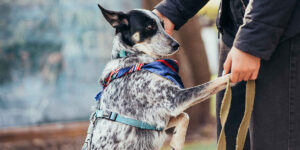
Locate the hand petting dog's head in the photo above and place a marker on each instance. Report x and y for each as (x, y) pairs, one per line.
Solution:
(141, 30)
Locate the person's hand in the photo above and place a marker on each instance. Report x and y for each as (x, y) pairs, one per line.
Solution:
(243, 66)
(168, 24)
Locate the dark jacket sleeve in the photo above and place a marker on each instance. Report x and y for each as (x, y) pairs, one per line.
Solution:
(179, 11)
(264, 24)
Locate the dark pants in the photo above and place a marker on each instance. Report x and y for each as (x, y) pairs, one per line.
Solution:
(275, 123)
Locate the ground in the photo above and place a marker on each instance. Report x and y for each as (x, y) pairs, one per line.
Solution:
(70, 136)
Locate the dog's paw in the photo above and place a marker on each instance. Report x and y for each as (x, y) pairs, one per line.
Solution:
(226, 76)
(233, 84)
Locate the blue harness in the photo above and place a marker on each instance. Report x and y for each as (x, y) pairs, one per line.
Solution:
(166, 68)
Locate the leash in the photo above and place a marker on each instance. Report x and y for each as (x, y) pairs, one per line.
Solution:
(244, 126)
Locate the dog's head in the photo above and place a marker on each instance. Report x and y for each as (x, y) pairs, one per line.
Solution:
(142, 30)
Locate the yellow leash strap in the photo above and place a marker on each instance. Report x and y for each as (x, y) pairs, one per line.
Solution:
(225, 107)
(244, 126)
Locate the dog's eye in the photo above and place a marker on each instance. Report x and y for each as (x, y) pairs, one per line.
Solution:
(150, 26)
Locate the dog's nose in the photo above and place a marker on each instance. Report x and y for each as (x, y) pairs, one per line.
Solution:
(174, 45)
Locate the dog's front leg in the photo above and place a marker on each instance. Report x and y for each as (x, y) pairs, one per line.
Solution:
(180, 123)
(185, 98)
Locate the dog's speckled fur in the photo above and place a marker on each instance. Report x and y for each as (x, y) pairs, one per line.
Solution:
(142, 95)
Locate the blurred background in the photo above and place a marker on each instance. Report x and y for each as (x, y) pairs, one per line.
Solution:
(52, 54)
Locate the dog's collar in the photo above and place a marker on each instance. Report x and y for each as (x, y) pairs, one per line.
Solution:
(105, 114)
(123, 54)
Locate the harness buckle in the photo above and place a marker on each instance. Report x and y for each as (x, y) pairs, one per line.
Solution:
(106, 114)
(113, 116)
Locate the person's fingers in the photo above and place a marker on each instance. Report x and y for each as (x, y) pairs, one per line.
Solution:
(234, 77)
(243, 65)
(169, 26)
(158, 13)
(227, 64)
(247, 76)
(254, 75)
(237, 74)
(241, 76)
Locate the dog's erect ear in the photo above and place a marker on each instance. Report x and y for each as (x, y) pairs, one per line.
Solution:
(116, 19)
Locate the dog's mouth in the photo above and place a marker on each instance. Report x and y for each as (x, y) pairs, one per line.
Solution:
(151, 54)
(168, 55)
(154, 55)
(157, 56)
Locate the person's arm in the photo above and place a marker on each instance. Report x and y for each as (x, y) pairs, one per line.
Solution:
(264, 24)
(258, 37)
(179, 11)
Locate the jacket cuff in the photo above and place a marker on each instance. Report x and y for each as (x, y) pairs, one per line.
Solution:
(172, 12)
(257, 38)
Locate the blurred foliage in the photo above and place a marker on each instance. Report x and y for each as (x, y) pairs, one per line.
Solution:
(210, 9)
(14, 57)
(51, 55)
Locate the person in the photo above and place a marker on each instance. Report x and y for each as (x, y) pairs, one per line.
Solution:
(260, 40)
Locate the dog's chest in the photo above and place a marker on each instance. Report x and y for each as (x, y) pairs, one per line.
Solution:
(135, 94)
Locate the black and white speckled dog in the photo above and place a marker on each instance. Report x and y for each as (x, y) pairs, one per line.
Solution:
(143, 95)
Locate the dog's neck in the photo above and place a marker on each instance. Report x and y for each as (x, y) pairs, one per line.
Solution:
(119, 45)
(135, 57)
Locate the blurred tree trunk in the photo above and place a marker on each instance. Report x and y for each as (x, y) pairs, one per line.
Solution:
(194, 68)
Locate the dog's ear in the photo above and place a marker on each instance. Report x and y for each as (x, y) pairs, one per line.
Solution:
(116, 19)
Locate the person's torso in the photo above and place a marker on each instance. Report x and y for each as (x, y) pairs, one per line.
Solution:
(231, 15)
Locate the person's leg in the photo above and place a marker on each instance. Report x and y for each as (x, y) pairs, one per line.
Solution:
(237, 106)
(275, 119)
(294, 143)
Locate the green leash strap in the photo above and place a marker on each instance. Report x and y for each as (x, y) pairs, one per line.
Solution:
(244, 126)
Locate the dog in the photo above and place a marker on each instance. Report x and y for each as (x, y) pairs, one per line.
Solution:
(142, 95)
